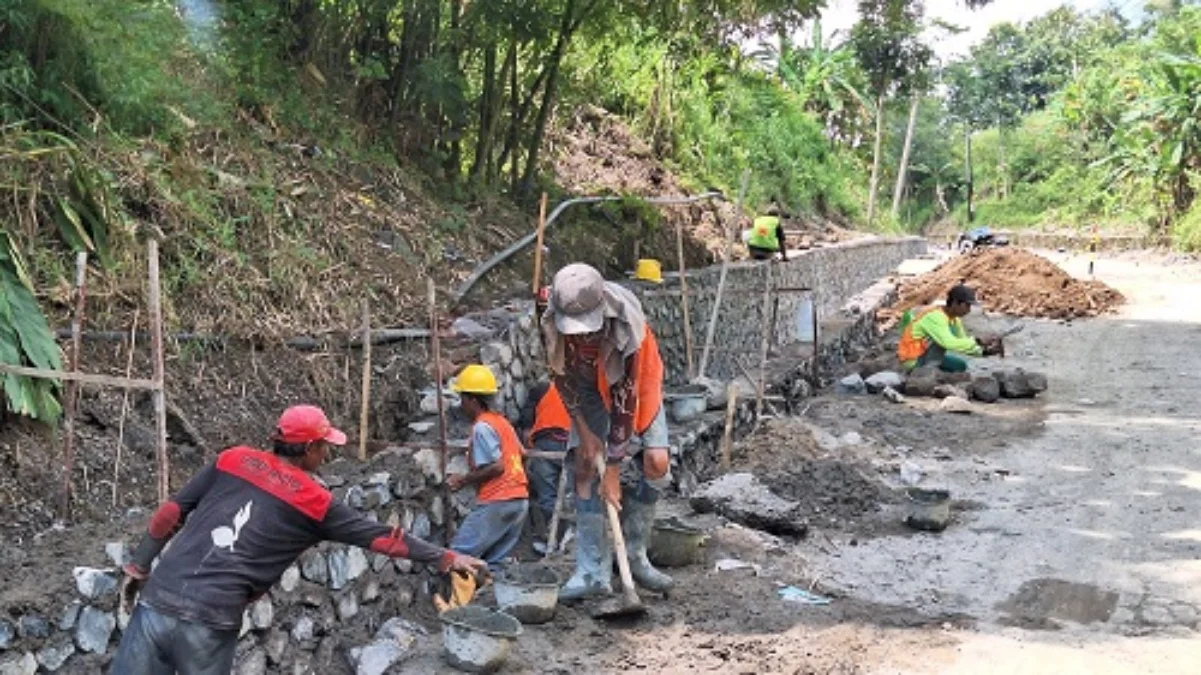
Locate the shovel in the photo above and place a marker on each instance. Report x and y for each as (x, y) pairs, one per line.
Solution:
(628, 604)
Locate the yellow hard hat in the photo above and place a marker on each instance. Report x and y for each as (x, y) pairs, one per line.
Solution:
(476, 379)
(650, 270)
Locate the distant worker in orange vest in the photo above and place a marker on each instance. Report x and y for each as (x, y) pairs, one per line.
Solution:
(936, 336)
(608, 371)
(545, 426)
(494, 454)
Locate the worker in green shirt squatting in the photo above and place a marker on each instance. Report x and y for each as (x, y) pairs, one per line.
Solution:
(765, 239)
(936, 337)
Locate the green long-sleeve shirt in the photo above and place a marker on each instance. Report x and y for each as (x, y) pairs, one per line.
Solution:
(946, 332)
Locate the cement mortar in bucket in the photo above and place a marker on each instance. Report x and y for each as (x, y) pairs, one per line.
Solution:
(528, 593)
(675, 544)
(476, 639)
(929, 509)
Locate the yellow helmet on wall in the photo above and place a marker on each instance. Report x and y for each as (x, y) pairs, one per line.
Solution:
(476, 379)
(650, 270)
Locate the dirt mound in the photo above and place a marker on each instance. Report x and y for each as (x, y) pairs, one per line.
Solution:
(1012, 281)
(835, 492)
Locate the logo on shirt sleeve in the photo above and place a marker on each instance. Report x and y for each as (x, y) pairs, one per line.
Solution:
(224, 537)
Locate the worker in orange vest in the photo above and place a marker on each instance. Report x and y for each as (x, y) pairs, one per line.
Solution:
(545, 426)
(608, 371)
(936, 336)
(494, 455)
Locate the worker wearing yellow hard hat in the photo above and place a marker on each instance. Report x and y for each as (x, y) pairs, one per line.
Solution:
(494, 455)
(650, 270)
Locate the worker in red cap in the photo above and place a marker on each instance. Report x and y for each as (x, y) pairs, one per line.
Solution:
(234, 529)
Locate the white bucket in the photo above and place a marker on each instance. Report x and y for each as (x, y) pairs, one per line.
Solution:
(804, 320)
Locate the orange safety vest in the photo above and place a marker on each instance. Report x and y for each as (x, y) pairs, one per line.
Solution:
(910, 347)
(512, 484)
(648, 382)
(550, 414)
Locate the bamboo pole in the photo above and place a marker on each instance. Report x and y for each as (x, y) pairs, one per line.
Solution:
(86, 378)
(761, 385)
(72, 389)
(727, 435)
(537, 282)
(721, 282)
(688, 356)
(366, 395)
(133, 343)
(437, 348)
(159, 395)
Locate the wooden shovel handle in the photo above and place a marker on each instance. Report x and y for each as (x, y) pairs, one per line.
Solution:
(619, 540)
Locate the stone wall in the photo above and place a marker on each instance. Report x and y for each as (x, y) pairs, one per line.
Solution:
(338, 610)
(835, 273)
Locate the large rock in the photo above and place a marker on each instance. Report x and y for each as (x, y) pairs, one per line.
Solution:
(356, 563)
(986, 389)
(290, 579)
(955, 404)
(852, 384)
(276, 645)
(1015, 383)
(69, 616)
(887, 379)
(303, 630)
(53, 655)
(430, 463)
(19, 664)
(921, 382)
(93, 583)
(94, 629)
(1037, 382)
(262, 613)
(743, 499)
(339, 569)
(313, 567)
(496, 353)
(7, 634)
(377, 657)
(33, 626)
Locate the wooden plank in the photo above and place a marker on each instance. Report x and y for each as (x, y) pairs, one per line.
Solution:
(154, 296)
(71, 402)
(85, 378)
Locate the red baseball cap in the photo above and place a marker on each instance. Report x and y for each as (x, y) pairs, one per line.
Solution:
(305, 424)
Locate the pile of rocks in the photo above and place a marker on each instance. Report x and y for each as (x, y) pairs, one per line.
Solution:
(929, 381)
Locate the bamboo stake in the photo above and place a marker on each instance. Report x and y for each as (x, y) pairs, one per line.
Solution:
(721, 282)
(437, 348)
(726, 438)
(159, 395)
(87, 378)
(133, 343)
(72, 389)
(817, 350)
(537, 283)
(688, 356)
(761, 385)
(364, 409)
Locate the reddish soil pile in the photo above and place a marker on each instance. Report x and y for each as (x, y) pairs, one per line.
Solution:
(1012, 281)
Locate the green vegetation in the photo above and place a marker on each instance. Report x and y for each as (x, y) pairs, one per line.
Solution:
(288, 151)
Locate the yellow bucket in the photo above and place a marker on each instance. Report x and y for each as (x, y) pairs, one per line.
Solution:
(650, 270)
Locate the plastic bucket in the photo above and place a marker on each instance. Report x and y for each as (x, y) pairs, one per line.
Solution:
(929, 510)
(674, 544)
(476, 639)
(528, 593)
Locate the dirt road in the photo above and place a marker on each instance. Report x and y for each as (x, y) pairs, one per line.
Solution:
(1086, 554)
(1076, 547)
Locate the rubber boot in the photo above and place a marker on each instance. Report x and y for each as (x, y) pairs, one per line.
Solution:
(638, 522)
(593, 561)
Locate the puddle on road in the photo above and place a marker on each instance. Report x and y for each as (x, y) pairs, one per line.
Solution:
(1040, 602)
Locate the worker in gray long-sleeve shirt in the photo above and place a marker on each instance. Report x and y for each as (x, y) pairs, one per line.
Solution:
(235, 528)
